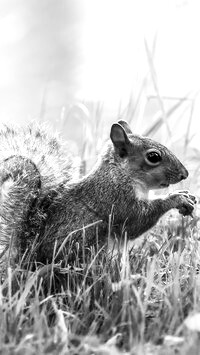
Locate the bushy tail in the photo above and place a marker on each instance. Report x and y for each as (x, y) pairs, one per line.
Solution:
(20, 184)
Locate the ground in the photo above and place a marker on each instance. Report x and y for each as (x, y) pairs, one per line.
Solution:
(139, 300)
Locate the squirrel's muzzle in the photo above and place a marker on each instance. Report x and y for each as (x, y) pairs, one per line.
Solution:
(183, 174)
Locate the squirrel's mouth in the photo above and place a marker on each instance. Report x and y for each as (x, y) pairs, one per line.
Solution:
(164, 185)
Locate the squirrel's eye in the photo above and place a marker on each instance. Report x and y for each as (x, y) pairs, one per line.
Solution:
(153, 157)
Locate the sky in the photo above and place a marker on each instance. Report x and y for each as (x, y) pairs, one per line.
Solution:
(113, 43)
(127, 43)
(55, 54)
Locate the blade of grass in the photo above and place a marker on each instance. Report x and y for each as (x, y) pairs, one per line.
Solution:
(155, 83)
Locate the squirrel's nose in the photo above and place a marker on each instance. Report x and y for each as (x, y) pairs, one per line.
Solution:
(184, 174)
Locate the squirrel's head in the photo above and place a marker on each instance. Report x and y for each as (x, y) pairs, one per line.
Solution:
(145, 160)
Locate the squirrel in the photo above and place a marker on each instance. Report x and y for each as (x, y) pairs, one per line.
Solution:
(78, 212)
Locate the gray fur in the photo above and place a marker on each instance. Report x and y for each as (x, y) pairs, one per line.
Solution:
(117, 185)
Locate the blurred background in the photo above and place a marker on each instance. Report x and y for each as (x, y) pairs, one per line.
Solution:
(79, 65)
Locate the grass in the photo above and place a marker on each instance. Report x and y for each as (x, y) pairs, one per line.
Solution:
(139, 300)
(136, 301)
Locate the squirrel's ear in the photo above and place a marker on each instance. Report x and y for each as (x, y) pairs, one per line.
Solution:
(126, 126)
(120, 139)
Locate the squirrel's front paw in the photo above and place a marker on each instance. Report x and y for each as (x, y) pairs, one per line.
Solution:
(184, 202)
